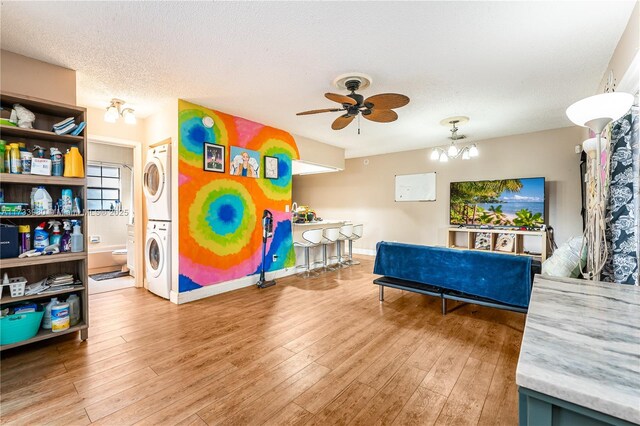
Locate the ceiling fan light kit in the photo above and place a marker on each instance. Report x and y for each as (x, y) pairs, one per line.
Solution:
(466, 153)
(378, 108)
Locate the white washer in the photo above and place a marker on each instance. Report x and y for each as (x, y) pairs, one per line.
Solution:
(157, 254)
(157, 182)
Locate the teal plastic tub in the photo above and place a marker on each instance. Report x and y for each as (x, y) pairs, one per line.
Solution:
(18, 327)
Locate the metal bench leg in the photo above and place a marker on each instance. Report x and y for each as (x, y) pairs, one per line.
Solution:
(444, 305)
(382, 293)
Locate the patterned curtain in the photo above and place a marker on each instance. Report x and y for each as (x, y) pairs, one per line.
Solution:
(623, 227)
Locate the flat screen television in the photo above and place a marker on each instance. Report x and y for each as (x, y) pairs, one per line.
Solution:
(499, 203)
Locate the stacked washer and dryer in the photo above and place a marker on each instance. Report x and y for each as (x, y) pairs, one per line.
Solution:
(157, 191)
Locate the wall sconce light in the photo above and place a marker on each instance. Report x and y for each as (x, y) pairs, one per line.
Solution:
(115, 111)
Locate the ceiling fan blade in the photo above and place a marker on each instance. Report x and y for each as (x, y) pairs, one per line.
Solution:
(387, 101)
(381, 115)
(341, 99)
(317, 111)
(342, 122)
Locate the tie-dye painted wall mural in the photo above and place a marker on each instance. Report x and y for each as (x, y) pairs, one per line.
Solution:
(220, 215)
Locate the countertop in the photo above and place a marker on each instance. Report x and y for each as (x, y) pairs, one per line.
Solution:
(581, 344)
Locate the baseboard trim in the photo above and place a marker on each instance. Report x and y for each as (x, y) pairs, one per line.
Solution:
(212, 290)
(368, 252)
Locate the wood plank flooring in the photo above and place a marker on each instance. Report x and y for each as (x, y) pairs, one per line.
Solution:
(314, 351)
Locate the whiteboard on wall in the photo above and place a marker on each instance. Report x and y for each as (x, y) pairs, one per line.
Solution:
(419, 187)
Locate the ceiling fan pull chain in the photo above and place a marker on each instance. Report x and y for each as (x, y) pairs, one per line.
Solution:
(358, 123)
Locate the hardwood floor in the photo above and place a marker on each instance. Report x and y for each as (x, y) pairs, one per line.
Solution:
(318, 351)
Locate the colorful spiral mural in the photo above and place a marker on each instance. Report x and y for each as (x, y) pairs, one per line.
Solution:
(220, 215)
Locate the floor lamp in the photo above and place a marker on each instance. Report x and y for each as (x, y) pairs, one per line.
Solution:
(596, 112)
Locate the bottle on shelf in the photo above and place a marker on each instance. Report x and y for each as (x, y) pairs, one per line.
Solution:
(77, 241)
(46, 321)
(57, 167)
(56, 236)
(41, 237)
(65, 241)
(42, 201)
(14, 157)
(74, 309)
(73, 165)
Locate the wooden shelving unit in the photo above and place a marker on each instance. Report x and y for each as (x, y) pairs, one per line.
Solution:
(17, 188)
(465, 238)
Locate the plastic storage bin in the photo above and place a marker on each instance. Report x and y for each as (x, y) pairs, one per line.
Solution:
(16, 286)
(18, 327)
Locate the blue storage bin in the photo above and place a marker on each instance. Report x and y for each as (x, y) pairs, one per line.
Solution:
(18, 327)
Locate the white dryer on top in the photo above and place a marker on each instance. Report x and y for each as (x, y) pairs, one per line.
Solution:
(157, 183)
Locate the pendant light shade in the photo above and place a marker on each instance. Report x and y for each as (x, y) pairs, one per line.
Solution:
(111, 115)
(443, 157)
(595, 112)
(452, 151)
(435, 155)
(473, 151)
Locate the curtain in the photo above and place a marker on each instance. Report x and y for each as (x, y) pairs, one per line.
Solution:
(623, 227)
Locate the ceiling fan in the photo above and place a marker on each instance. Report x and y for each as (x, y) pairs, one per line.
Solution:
(377, 108)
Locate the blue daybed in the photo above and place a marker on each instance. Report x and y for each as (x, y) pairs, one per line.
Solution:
(484, 278)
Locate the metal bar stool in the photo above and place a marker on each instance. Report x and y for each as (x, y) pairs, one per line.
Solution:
(345, 233)
(357, 234)
(310, 239)
(329, 236)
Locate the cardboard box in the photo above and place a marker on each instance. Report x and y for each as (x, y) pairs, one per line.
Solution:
(41, 166)
(9, 241)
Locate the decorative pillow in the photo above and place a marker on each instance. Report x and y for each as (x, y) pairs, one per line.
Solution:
(505, 242)
(483, 241)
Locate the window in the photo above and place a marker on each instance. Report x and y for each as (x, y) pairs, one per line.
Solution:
(103, 187)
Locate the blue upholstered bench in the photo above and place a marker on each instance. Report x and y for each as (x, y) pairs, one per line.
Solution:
(484, 278)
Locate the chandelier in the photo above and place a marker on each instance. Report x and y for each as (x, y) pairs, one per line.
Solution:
(466, 152)
(116, 110)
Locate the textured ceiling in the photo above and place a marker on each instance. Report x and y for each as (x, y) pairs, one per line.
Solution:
(513, 67)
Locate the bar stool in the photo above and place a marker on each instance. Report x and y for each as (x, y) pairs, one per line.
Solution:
(345, 233)
(310, 239)
(357, 234)
(329, 236)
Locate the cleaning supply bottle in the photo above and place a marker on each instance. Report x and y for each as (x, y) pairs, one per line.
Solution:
(56, 162)
(41, 237)
(55, 234)
(15, 161)
(67, 201)
(60, 317)
(73, 165)
(74, 309)
(65, 241)
(42, 202)
(3, 163)
(77, 239)
(25, 238)
(46, 321)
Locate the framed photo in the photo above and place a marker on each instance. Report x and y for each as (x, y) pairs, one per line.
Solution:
(271, 167)
(213, 158)
(244, 162)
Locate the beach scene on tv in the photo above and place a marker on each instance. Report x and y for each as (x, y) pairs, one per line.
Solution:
(506, 202)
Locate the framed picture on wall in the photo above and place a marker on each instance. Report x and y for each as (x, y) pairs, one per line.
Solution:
(270, 167)
(244, 162)
(213, 158)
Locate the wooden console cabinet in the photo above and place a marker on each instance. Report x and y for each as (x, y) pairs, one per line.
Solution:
(465, 239)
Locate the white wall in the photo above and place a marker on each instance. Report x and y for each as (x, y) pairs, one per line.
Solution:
(111, 229)
(365, 193)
